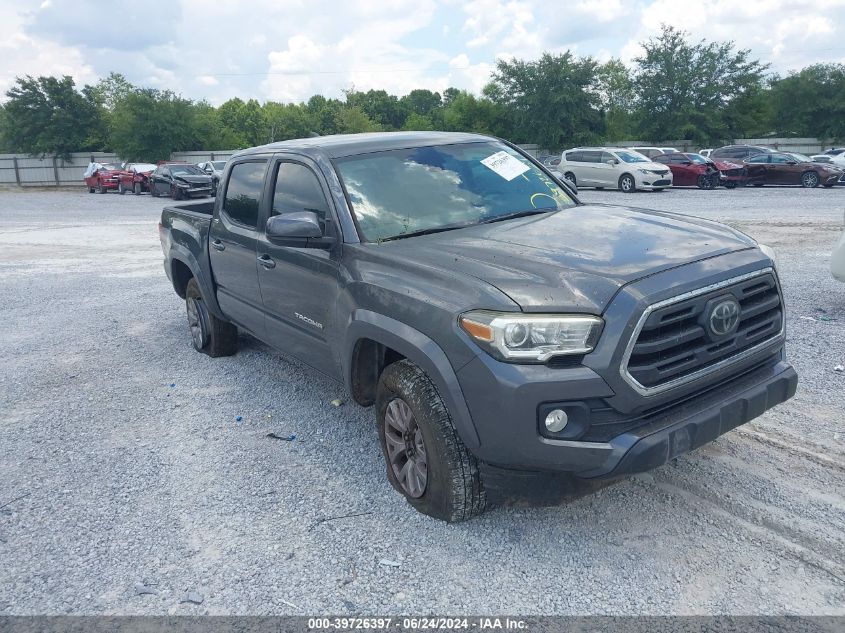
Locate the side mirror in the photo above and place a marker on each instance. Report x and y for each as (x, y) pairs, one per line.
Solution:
(687, 163)
(300, 229)
(612, 161)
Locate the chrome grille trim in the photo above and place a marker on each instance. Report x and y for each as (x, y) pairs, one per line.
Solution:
(651, 391)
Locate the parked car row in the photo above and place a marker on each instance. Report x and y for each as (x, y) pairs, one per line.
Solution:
(177, 180)
(657, 168)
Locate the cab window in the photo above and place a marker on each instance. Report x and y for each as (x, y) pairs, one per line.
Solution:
(243, 193)
(297, 189)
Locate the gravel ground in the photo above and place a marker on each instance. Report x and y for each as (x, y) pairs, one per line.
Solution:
(128, 485)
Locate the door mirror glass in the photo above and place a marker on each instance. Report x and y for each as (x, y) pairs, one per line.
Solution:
(296, 226)
(612, 161)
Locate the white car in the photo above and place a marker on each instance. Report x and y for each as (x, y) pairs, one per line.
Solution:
(835, 156)
(837, 259)
(706, 152)
(651, 152)
(602, 167)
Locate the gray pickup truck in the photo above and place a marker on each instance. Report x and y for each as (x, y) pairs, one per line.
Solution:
(496, 323)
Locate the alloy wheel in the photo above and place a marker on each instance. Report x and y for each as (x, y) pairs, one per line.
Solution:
(196, 324)
(405, 448)
(810, 179)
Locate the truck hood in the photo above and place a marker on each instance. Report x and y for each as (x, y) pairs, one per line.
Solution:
(575, 259)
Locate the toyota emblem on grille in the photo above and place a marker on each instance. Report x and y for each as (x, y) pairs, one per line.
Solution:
(725, 317)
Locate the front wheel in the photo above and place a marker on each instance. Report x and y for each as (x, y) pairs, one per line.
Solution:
(627, 184)
(100, 188)
(570, 177)
(426, 460)
(705, 182)
(137, 189)
(809, 179)
(175, 193)
(120, 189)
(209, 334)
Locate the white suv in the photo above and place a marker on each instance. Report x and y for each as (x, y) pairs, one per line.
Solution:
(602, 167)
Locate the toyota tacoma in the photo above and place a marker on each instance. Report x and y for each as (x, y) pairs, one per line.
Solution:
(496, 324)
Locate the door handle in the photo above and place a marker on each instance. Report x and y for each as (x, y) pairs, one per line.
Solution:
(267, 262)
(218, 245)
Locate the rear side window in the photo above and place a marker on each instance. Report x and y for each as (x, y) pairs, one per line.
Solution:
(664, 158)
(759, 158)
(591, 157)
(574, 156)
(243, 193)
(297, 189)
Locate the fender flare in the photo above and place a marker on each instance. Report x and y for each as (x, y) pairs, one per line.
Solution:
(183, 255)
(419, 349)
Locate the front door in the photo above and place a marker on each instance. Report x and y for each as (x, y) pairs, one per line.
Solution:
(232, 244)
(299, 286)
(160, 181)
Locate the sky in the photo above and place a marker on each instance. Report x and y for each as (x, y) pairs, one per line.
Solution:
(287, 50)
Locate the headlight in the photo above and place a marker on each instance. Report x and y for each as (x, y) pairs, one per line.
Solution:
(531, 338)
(644, 171)
(769, 252)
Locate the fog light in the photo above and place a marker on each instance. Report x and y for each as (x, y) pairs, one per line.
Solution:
(556, 420)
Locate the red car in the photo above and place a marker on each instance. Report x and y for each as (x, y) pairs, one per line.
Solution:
(101, 177)
(135, 177)
(694, 170)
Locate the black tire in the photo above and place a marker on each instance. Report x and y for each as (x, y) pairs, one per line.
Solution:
(120, 188)
(452, 490)
(570, 177)
(627, 184)
(209, 334)
(810, 179)
(91, 189)
(136, 188)
(175, 193)
(100, 188)
(153, 191)
(705, 182)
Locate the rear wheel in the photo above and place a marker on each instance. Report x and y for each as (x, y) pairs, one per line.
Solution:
(570, 177)
(426, 460)
(809, 179)
(627, 184)
(137, 188)
(209, 334)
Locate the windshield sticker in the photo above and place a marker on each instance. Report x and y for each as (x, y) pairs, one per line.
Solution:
(507, 166)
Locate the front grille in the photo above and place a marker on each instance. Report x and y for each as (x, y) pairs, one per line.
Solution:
(660, 183)
(674, 342)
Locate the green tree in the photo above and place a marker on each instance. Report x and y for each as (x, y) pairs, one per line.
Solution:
(149, 125)
(324, 114)
(381, 107)
(615, 89)
(286, 120)
(418, 122)
(811, 102)
(467, 113)
(353, 120)
(47, 115)
(685, 90)
(421, 101)
(551, 101)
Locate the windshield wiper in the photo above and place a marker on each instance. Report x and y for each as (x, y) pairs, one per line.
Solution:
(434, 229)
(518, 214)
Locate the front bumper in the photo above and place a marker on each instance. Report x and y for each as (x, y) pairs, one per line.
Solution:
(614, 430)
(653, 181)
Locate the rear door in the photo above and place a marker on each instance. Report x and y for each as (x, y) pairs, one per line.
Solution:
(299, 286)
(589, 167)
(757, 168)
(232, 244)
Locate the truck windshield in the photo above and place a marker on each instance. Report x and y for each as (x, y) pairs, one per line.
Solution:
(395, 193)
